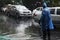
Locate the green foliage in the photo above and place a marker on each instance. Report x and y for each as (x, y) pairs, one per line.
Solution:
(53, 3)
(4, 2)
(29, 2)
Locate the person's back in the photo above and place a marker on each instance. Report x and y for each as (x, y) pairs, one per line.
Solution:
(46, 22)
(45, 16)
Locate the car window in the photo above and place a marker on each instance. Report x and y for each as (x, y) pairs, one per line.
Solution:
(39, 8)
(58, 11)
(52, 11)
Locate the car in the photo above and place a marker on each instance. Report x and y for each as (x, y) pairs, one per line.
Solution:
(55, 14)
(17, 9)
(24, 11)
(37, 14)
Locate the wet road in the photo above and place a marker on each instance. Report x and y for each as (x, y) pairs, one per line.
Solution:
(14, 29)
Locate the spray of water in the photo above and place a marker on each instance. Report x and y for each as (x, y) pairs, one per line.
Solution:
(21, 28)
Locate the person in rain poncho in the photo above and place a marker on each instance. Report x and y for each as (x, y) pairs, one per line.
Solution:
(46, 22)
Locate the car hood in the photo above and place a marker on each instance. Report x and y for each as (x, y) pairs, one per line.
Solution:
(22, 9)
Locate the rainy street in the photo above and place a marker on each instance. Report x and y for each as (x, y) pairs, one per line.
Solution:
(20, 19)
(22, 29)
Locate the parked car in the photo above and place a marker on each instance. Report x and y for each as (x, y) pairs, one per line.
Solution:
(37, 14)
(55, 14)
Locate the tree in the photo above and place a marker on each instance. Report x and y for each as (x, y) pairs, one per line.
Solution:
(31, 4)
(4, 2)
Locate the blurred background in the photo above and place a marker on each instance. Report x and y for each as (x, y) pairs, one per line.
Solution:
(19, 19)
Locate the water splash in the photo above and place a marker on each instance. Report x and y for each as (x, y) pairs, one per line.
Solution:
(21, 28)
(20, 31)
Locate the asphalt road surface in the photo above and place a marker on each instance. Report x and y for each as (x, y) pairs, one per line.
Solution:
(12, 29)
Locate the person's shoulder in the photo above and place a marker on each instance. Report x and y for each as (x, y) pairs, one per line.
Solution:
(46, 9)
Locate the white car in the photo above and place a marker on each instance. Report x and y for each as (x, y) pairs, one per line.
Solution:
(55, 14)
(37, 14)
(23, 11)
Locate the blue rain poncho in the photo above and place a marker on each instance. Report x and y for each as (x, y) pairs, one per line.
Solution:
(46, 21)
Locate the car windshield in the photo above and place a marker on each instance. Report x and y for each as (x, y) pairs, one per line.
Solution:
(39, 8)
